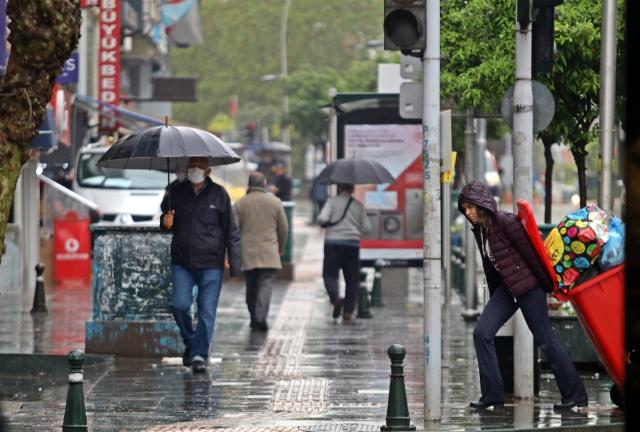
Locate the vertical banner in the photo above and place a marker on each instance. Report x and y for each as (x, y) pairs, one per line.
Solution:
(109, 61)
(3, 36)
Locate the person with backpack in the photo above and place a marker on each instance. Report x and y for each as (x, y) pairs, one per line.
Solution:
(345, 221)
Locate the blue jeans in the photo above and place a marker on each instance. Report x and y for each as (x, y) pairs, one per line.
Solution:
(209, 282)
(533, 305)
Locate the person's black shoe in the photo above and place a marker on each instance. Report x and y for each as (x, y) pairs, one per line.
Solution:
(261, 325)
(484, 405)
(570, 404)
(337, 308)
(199, 365)
(186, 357)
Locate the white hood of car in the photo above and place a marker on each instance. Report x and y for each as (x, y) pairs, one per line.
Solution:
(119, 201)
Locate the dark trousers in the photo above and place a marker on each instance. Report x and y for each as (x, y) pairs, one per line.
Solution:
(346, 258)
(259, 284)
(499, 309)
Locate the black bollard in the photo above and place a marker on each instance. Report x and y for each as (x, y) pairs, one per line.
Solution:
(363, 297)
(39, 302)
(397, 407)
(75, 415)
(376, 290)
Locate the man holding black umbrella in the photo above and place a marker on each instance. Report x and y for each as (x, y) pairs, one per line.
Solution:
(199, 214)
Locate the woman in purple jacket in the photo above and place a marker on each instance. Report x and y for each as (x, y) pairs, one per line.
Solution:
(516, 279)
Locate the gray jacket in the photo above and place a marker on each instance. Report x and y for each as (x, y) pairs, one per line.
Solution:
(354, 224)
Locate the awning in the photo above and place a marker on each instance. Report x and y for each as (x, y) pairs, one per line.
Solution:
(132, 119)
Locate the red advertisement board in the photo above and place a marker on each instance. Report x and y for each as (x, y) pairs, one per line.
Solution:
(71, 248)
(109, 59)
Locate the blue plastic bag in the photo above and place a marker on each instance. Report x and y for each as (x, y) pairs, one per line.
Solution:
(612, 253)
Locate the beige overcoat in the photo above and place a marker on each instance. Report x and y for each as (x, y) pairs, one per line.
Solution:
(263, 229)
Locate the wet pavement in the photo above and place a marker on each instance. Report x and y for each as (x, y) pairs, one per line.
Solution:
(308, 373)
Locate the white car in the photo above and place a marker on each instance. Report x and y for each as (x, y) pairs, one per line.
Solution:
(122, 196)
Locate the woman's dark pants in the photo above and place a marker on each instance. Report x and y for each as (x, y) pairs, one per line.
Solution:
(347, 258)
(499, 309)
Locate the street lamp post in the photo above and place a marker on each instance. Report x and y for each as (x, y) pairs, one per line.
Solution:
(284, 69)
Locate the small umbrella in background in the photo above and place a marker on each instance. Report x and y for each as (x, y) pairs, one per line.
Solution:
(167, 148)
(356, 171)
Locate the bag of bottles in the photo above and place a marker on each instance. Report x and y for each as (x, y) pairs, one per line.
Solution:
(613, 250)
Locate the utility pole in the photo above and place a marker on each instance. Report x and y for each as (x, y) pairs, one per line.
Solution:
(522, 176)
(432, 266)
(607, 101)
(469, 312)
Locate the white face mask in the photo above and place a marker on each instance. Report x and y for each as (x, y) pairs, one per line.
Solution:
(195, 175)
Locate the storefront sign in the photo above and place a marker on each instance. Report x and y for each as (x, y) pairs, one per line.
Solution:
(69, 73)
(109, 60)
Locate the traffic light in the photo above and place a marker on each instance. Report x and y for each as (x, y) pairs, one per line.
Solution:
(542, 52)
(405, 25)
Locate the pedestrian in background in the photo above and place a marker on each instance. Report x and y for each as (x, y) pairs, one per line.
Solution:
(282, 184)
(516, 279)
(263, 233)
(204, 229)
(319, 194)
(345, 221)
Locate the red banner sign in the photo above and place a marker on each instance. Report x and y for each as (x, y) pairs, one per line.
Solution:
(71, 248)
(109, 60)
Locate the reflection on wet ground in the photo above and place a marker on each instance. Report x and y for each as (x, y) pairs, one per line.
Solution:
(308, 372)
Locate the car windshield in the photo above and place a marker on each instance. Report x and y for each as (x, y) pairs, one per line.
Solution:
(91, 175)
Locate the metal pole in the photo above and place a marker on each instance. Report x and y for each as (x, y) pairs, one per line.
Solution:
(469, 241)
(431, 214)
(447, 169)
(522, 171)
(607, 100)
(284, 69)
(481, 146)
(29, 224)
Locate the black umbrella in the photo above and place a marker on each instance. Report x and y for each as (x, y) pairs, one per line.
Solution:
(167, 148)
(356, 171)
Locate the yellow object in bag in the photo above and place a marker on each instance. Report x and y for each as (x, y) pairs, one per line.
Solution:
(554, 246)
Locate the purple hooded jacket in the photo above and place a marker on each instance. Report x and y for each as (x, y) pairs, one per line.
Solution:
(517, 265)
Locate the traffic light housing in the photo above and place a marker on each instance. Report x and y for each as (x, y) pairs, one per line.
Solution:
(542, 49)
(405, 25)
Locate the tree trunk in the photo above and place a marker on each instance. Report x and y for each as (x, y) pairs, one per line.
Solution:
(548, 178)
(43, 33)
(580, 158)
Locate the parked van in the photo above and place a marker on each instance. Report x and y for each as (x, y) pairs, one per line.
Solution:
(122, 196)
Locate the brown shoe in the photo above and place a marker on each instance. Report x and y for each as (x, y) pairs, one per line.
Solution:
(347, 316)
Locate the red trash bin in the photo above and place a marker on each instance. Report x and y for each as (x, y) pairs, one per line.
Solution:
(599, 305)
(72, 246)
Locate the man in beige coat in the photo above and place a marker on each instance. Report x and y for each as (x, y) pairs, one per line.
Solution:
(263, 233)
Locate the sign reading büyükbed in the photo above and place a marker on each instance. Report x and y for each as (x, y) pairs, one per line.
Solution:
(109, 60)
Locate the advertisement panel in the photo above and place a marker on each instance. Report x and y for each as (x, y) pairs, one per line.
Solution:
(394, 210)
(71, 248)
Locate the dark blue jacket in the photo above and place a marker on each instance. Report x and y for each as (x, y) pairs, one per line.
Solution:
(204, 228)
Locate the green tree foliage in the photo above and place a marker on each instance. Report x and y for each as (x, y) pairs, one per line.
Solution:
(478, 50)
(242, 44)
(42, 35)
